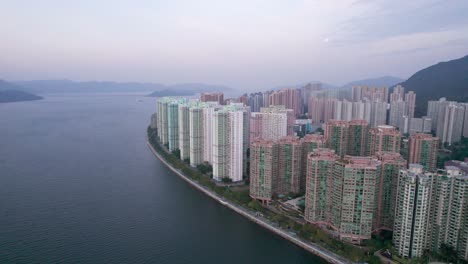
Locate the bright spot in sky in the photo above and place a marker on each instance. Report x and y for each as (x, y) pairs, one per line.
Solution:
(326, 40)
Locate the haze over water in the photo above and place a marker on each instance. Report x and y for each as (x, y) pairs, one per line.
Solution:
(78, 184)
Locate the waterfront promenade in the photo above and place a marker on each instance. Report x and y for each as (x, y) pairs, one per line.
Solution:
(265, 223)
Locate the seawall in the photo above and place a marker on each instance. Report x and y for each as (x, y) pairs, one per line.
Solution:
(314, 249)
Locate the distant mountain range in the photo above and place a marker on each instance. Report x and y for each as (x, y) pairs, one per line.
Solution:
(385, 81)
(68, 86)
(12, 93)
(189, 89)
(444, 79)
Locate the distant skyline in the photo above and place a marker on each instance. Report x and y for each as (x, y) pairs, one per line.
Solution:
(246, 45)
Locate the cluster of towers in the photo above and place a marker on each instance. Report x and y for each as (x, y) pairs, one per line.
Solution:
(356, 183)
(449, 119)
(357, 177)
(206, 132)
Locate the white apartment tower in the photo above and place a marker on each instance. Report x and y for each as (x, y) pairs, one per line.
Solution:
(411, 230)
(227, 148)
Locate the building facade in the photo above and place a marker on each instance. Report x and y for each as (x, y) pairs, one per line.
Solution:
(184, 131)
(271, 126)
(336, 136)
(386, 187)
(383, 138)
(196, 144)
(309, 143)
(319, 186)
(212, 97)
(263, 169)
(357, 137)
(289, 165)
(423, 149)
(353, 197)
(412, 229)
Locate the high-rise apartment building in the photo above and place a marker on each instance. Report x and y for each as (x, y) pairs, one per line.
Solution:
(398, 109)
(184, 131)
(359, 93)
(280, 109)
(263, 169)
(343, 110)
(245, 131)
(319, 186)
(357, 136)
(417, 125)
(340, 193)
(228, 145)
(268, 125)
(220, 151)
(309, 143)
(431, 211)
(412, 228)
(465, 121)
(307, 91)
(383, 138)
(168, 121)
(410, 99)
(375, 104)
(244, 99)
(450, 122)
(427, 124)
(450, 218)
(386, 187)
(398, 94)
(404, 126)
(173, 125)
(378, 114)
(275, 167)
(289, 165)
(161, 112)
(347, 138)
(336, 136)
(208, 120)
(212, 97)
(256, 102)
(362, 111)
(423, 149)
(353, 197)
(196, 144)
(290, 98)
(433, 111)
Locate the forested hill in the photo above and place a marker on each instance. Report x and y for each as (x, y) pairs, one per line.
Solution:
(444, 79)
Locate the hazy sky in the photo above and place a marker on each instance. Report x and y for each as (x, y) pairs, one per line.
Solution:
(254, 44)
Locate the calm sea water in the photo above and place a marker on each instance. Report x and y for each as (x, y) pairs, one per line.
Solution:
(79, 185)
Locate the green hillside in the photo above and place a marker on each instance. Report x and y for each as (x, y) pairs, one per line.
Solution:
(445, 79)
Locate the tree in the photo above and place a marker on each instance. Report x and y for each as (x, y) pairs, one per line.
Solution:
(448, 253)
(226, 180)
(255, 205)
(205, 168)
(176, 153)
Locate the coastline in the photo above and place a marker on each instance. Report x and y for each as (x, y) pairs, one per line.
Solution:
(314, 249)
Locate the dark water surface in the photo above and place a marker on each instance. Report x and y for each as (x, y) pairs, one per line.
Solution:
(79, 185)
